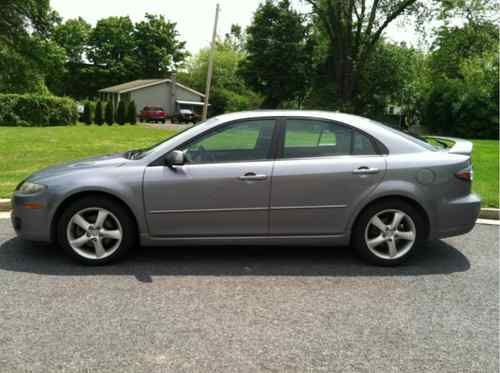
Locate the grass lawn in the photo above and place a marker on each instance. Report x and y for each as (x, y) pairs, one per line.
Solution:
(25, 150)
(485, 161)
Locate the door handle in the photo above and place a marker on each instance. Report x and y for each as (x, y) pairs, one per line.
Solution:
(366, 171)
(251, 176)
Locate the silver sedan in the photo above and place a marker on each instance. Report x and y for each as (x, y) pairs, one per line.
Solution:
(257, 178)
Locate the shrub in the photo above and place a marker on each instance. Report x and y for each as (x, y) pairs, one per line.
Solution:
(109, 115)
(37, 110)
(120, 113)
(99, 118)
(87, 114)
(132, 113)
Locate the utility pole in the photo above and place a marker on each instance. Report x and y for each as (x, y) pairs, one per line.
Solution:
(211, 65)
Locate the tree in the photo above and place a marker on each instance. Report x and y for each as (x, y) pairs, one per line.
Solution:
(235, 38)
(87, 114)
(278, 54)
(157, 47)
(353, 28)
(109, 114)
(28, 55)
(19, 19)
(463, 97)
(132, 113)
(120, 113)
(111, 50)
(73, 35)
(99, 118)
(229, 90)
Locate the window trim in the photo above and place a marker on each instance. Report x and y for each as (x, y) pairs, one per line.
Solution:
(380, 149)
(270, 156)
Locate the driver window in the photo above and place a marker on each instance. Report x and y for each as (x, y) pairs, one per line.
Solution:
(241, 141)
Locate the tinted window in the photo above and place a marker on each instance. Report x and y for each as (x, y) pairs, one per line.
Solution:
(305, 138)
(362, 145)
(242, 141)
(310, 138)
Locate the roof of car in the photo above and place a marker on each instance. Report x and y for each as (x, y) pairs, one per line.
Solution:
(350, 119)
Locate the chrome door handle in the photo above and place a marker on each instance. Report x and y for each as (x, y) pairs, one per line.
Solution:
(366, 171)
(253, 177)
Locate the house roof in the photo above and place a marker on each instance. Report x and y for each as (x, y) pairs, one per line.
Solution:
(144, 83)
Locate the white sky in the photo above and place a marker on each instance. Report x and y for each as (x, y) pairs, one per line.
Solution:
(194, 18)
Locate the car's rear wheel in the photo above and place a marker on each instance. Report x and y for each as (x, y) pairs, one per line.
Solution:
(96, 231)
(389, 232)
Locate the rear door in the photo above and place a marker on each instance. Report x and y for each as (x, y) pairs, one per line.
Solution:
(323, 171)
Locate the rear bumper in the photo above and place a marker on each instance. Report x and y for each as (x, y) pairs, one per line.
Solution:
(458, 216)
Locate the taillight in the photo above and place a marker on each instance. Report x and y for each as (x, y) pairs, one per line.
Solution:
(466, 174)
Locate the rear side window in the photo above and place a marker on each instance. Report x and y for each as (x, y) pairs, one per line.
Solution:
(362, 145)
(306, 138)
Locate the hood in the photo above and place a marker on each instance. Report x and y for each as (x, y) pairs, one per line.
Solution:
(112, 160)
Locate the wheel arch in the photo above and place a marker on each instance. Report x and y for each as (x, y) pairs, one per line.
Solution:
(74, 197)
(411, 201)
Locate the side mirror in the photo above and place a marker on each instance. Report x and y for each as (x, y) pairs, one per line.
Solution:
(175, 158)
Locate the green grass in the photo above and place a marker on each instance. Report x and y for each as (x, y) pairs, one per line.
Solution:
(485, 161)
(25, 150)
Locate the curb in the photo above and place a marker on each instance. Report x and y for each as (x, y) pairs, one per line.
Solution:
(5, 205)
(489, 213)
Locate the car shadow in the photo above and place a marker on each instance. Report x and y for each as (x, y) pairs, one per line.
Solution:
(146, 263)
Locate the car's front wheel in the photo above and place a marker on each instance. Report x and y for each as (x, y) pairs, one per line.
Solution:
(389, 232)
(96, 231)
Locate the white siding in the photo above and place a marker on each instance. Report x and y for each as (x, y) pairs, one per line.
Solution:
(157, 95)
(161, 95)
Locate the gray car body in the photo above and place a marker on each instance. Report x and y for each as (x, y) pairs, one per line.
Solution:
(302, 201)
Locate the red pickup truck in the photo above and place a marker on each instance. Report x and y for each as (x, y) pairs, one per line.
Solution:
(153, 114)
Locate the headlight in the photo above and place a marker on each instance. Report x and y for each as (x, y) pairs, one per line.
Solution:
(30, 188)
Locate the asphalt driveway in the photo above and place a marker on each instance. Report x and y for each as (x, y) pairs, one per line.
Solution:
(251, 309)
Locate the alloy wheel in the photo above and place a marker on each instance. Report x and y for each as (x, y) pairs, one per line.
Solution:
(390, 234)
(94, 233)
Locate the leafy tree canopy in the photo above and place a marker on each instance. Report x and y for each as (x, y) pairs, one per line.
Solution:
(278, 54)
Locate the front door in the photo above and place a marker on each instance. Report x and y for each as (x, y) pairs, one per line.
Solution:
(222, 190)
(324, 170)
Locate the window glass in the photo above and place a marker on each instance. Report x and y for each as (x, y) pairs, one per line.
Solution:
(242, 141)
(305, 138)
(362, 145)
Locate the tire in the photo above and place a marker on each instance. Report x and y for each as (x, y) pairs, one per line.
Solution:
(379, 242)
(96, 245)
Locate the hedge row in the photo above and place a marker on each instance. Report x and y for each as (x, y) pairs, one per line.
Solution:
(103, 112)
(37, 110)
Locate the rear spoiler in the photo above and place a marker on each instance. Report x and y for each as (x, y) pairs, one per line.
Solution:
(459, 146)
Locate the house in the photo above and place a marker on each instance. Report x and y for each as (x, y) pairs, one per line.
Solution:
(155, 92)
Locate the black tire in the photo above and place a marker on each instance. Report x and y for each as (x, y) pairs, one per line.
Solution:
(129, 234)
(358, 234)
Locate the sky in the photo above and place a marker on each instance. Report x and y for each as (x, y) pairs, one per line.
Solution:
(194, 18)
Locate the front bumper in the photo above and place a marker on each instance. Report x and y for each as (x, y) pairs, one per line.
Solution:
(31, 224)
(458, 216)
